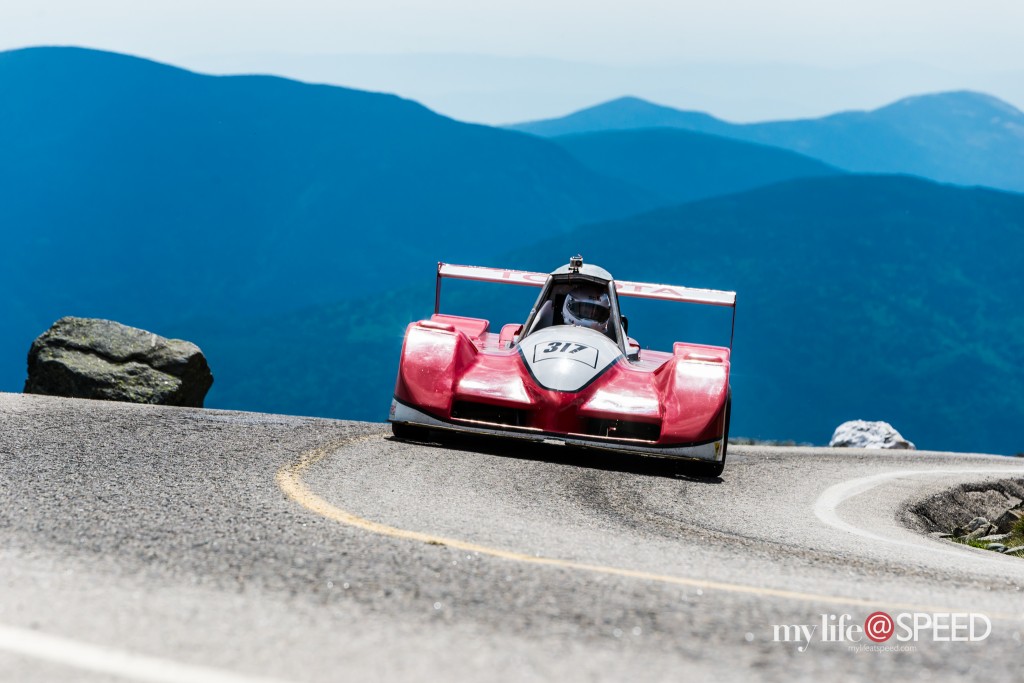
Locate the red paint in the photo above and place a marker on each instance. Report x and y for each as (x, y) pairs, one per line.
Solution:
(439, 366)
(474, 328)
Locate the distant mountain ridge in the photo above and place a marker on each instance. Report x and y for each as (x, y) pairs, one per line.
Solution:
(680, 165)
(141, 192)
(625, 113)
(125, 144)
(961, 137)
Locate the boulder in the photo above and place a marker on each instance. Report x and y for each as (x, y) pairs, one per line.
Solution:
(978, 528)
(978, 523)
(862, 434)
(1008, 520)
(102, 359)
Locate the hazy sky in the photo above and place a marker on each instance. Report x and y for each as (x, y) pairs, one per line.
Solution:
(963, 36)
(973, 33)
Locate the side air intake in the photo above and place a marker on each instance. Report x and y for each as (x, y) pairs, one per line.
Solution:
(624, 429)
(485, 412)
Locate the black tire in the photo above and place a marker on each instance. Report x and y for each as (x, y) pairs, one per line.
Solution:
(711, 470)
(410, 432)
(706, 470)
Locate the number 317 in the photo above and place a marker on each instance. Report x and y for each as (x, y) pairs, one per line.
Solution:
(563, 347)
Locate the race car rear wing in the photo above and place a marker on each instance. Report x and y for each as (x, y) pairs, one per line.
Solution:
(641, 290)
(482, 274)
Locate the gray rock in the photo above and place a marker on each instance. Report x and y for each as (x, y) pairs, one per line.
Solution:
(978, 528)
(102, 359)
(862, 434)
(994, 538)
(998, 547)
(1015, 549)
(977, 523)
(1008, 519)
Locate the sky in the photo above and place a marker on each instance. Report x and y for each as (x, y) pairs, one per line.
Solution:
(503, 60)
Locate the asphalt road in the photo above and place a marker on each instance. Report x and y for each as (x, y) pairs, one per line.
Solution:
(154, 544)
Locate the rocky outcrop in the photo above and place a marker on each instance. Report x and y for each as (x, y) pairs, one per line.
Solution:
(969, 507)
(102, 359)
(862, 434)
(964, 515)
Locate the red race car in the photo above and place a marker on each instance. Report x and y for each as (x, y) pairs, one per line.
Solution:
(570, 374)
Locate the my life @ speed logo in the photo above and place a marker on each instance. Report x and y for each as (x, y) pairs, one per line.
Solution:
(879, 627)
(888, 632)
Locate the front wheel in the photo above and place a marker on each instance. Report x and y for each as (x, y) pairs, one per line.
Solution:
(710, 470)
(706, 470)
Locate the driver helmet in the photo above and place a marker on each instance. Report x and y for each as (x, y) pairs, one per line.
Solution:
(587, 309)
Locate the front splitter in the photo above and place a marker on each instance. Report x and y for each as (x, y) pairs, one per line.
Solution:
(705, 452)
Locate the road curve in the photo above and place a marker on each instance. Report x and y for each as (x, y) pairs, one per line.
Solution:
(142, 543)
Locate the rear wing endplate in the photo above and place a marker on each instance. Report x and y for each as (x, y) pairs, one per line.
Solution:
(641, 290)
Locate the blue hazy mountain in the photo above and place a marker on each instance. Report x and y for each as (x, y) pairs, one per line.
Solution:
(625, 113)
(141, 192)
(871, 297)
(680, 165)
(960, 137)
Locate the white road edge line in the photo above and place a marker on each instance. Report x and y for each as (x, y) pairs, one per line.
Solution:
(106, 660)
(830, 499)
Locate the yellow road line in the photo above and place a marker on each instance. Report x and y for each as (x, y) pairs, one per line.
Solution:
(289, 479)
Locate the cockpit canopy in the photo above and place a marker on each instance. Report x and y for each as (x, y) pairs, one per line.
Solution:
(578, 294)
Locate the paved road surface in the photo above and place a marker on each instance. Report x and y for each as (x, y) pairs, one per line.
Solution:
(160, 544)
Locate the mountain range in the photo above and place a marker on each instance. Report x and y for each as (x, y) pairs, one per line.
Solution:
(966, 138)
(680, 165)
(291, 230)
(145, 193)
